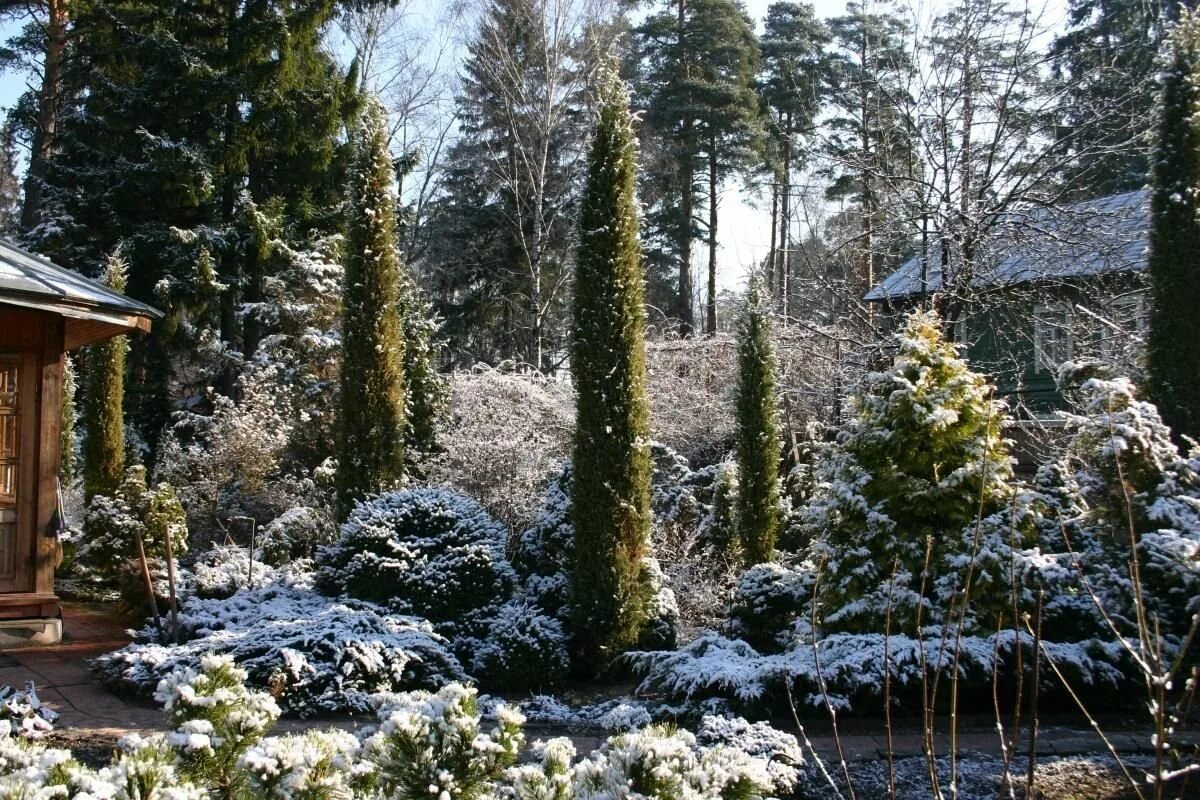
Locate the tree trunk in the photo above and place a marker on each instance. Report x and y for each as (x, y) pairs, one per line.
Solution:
(687, 321)
(785, 234)
(47, 114)
(710, 326)
(772, 262)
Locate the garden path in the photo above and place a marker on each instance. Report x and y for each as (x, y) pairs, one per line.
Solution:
(87, 708)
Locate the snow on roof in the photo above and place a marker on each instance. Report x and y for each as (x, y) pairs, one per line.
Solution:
(1094, 237)
(93, 311)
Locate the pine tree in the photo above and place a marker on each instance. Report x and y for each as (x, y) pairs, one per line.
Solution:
(794, 71)
(758, 515)
(1107, 62)
(699, 60)
(611, 491)
(104, 404)
(1173, 360)
(372, 428)
(921, 459)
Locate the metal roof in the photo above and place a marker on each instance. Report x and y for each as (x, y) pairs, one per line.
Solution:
(1106, 235)
(93, 311)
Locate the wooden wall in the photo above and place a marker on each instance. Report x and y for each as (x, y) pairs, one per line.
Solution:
(38, 335)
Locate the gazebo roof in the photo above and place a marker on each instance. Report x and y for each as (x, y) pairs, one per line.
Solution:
(92, 311)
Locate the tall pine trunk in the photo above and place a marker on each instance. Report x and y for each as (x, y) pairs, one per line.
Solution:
(710, 325)
(46, 129)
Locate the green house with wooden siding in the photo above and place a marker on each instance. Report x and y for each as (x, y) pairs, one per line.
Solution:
(1056, 285)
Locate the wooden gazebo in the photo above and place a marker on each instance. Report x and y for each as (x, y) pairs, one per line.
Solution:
(45, 311)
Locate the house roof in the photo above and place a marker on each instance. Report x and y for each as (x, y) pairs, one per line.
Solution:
(1094, 237)
(92, 311)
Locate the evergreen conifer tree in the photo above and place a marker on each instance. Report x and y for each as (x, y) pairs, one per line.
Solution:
(1173, 359)
(757, 432)
(921, 459)
(66, 442)
(611, 491)
(372, 429)
(104, 404)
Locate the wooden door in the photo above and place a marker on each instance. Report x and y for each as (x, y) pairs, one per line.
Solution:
(18, 444)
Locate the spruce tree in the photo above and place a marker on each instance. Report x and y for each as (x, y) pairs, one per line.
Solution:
(372, 429)
(921, 459)
(757, 432)
(611, 491)
(1173, 359)
(104, 404)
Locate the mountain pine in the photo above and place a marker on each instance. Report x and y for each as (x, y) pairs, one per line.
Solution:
(611, 492)
(372, 429)
(1173, 359)
(758, 432)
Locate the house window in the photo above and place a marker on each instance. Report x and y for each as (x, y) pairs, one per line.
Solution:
(1052, 343)
(10, 452)
(1130, 312)
(961, 333)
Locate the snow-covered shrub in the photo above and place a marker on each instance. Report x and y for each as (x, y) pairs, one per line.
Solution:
(544, 552)
(22, 713)
(523, 649)
(661, 763)
(224, 570)
(690, 383)
(226, 463)
(435, 745)
(505, 436)
(296, 533)
(313, 765)
(767, 602)
(428, 552)
(112, 524)
(312, 653)
(214, 719)
(544, 557)
(921, 458)
(780, 750)
(852, 666)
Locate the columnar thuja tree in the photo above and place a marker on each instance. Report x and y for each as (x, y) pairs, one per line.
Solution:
(922, 458)
(372, 429)
(758, 431)
(103, 410)
(1173, 357)
(611, 494)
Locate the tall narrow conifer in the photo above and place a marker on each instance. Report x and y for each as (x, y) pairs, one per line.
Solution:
(757, 431)
(372, 429)
(1173, 357)
(611, 494)
(104, 404)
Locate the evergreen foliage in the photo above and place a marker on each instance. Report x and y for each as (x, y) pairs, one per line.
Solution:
(372, 428)
(66, 444)
(921, 460)
(611, 489)
(104, 404)
(174, 117)
(698, 90)
(758, 447)
(1107, 62)
(1173, 360)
